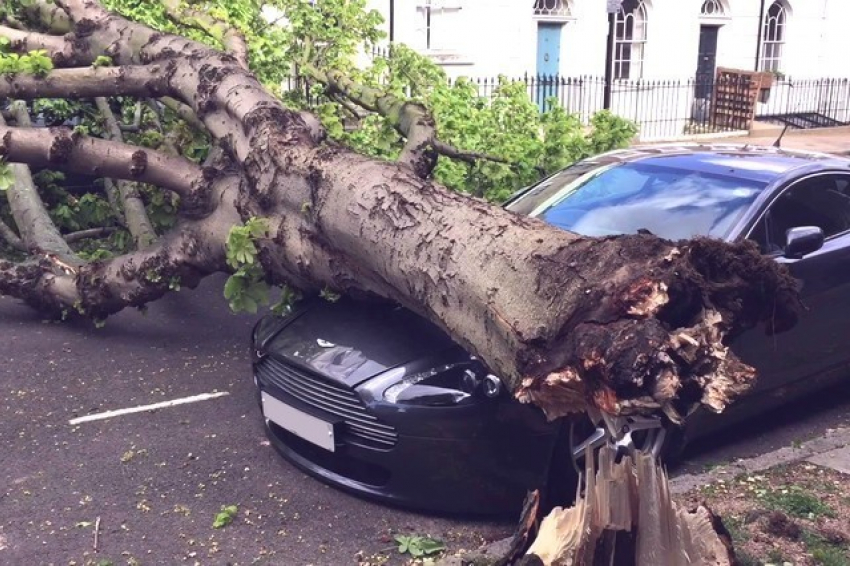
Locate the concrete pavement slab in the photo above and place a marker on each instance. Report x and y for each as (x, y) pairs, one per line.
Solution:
(838, 459)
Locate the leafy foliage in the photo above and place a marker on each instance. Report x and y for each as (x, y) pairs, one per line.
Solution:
(225, 516)
(7, 178)
(102, 61)
(507, 124)
(246, 289)
(418, 546)
(36, 63)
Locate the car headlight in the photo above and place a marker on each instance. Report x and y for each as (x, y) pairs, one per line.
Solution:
(451, 384)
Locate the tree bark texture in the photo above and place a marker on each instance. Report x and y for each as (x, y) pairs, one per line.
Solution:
(628, 324)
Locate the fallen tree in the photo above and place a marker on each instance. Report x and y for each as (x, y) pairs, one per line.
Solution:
(631, 324)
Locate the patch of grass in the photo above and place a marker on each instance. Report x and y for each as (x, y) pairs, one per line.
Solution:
(745, 559)
(737, 529)
(824, 552)
(797, 502)
(775, 556)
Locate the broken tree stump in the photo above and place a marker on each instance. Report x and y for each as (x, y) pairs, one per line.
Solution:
(625, 516)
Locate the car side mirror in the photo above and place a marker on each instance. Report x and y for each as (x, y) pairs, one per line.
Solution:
(802, 241)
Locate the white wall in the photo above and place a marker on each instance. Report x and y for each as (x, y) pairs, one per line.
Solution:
(491, 37)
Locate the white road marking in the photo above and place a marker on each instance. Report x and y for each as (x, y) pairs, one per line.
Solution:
(143, 408)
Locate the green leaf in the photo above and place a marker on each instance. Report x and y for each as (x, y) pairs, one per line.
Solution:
(418, 546)
(37, 63)
(225, 516)
(7, 177)
(102, 61)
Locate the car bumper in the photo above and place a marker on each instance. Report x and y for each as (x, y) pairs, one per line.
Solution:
(475, 459)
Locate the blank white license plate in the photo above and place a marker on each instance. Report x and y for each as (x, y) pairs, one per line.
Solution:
(299, 423)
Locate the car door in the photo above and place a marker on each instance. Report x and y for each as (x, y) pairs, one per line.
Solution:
(816, 348)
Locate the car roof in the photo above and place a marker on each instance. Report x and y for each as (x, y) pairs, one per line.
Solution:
(756, 163)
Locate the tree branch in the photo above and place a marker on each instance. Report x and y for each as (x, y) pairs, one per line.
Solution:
(184, 112)
(37, 228)
(411, 119)
(48, 15)
(59, 148)
(90, 233)
(140, 81)
(193, 249)
(135, 215)
(101, 288)
(230, 37)
(470, 157)
(65, 51)
(9, 236)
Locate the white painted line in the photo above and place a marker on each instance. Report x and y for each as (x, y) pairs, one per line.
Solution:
(143, 408)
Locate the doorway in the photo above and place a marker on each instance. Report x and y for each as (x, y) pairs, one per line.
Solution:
(706, 60)
(548, 61)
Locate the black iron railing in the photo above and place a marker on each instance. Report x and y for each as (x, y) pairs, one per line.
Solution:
(668, 109)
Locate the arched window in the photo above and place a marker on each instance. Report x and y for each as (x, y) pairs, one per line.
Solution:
(712, 9)
(773, 37)
(552, 8)
(630, 40)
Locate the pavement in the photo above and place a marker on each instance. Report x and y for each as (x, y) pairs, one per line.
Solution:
(826, 140)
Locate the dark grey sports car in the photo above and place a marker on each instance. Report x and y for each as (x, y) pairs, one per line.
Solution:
(373, 399)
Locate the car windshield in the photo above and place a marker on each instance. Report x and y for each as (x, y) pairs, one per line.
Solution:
(623, 198)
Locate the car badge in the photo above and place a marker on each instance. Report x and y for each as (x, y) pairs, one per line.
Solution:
(324, 343)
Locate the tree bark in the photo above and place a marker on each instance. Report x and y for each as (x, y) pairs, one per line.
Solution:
(132, 206)
(627, 324)
(60, 148)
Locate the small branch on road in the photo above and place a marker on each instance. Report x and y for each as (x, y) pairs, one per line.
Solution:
(96, 532)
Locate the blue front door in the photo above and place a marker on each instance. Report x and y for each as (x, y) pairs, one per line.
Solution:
(548, 61)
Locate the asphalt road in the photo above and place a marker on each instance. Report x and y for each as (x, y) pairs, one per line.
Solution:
(156, 479)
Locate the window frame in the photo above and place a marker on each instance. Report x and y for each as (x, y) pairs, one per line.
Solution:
(425, 11)
(774, 36)
(631, 45)
(768, 203)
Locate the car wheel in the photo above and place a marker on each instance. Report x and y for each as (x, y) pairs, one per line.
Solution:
(659, 437)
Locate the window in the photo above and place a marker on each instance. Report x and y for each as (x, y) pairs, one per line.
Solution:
(552, 8)
(439, 24)
(624, 198)
(822, 201)
(712, 9)
(773, 37)
(630, 40)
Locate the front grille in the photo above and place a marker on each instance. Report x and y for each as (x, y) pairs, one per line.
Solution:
(330, 397)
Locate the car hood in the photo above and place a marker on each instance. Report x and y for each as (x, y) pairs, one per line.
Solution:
(351, 341)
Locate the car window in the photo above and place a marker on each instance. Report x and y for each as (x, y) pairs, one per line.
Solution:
(552, 185)
(822, 201)
(670, 202)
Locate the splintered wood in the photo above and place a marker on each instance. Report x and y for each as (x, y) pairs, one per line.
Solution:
(626, 517)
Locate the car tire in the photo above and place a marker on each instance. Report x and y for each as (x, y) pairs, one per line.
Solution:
(563, 477)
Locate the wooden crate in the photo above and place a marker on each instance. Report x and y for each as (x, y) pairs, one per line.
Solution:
(733, 104)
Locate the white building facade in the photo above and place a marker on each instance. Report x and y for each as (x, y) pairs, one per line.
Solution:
(654, 39)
